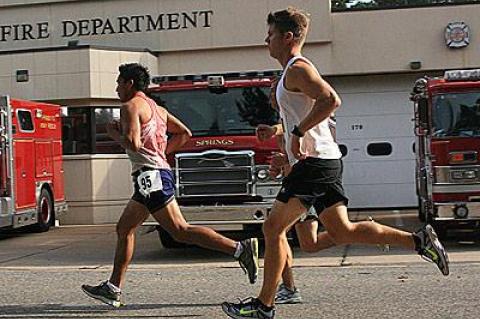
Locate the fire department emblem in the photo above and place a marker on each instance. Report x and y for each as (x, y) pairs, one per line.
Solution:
(457, 35)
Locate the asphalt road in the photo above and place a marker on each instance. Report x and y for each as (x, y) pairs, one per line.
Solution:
(41, 274)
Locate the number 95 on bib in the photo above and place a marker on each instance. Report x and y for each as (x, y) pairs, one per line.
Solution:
(149, 182)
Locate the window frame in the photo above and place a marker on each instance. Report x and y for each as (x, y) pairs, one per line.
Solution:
(17, 111)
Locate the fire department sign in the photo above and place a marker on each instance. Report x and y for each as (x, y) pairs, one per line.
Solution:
(457, 35)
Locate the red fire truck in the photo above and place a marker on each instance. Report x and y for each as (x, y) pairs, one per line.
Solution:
(447, 127)
(222, 172)
(31, 172)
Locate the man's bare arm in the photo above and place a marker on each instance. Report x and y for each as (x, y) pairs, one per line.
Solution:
(302, 77)
(129, 137)
(180, 133)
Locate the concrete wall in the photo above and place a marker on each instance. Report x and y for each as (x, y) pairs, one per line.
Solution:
(181, 25)
(97, 188)
(67, 75)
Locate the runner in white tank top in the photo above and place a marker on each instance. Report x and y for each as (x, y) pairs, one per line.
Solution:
(318, 141)
(306, 102)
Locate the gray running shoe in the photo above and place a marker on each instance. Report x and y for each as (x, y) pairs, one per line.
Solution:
(247, 308)
(103, 293)
(431, 249)
(248, 260)
(286, 296)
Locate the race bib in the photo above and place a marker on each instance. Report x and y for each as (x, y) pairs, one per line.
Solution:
(149, 182)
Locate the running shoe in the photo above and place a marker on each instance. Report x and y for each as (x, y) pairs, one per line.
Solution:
(248, 259)
(103, 293)
(287, 296)
(431, 249)
(247, 308)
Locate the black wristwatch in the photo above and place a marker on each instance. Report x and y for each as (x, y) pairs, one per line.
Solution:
(297, 132)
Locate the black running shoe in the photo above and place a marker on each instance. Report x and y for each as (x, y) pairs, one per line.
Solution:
(431, 249)
(249, 258)
(103, 293)
(286, 295)
(247, 308)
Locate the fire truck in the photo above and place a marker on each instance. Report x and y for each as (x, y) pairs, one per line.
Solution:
(31, 172)
(221, 174)
(447, 129)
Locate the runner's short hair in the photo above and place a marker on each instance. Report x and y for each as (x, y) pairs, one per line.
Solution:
(290, 20)
(136, 72)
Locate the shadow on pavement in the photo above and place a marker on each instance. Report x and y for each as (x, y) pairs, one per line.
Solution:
(94, 311)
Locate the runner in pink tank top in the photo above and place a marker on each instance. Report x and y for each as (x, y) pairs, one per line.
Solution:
(143, 134)
(153, 136)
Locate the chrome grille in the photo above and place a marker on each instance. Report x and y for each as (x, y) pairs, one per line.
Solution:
(214, 173)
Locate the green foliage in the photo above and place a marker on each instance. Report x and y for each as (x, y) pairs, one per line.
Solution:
(343, 5)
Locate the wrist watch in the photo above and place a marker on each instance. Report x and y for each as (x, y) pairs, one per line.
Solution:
(297, 132)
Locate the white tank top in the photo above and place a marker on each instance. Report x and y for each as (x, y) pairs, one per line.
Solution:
(294, 107)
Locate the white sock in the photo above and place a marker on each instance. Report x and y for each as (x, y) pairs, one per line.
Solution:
(113, 287)
(238, 250)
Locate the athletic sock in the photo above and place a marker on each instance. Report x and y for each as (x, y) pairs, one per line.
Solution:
(418, 242)
(113, 287)
(264, 308)
(238, 250)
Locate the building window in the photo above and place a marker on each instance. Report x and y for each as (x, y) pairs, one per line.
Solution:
(103, 143)
(76, 131)
(85, 131)
(343, 149)
(379, 149)
(25, 120)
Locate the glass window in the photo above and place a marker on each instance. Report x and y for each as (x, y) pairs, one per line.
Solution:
(235, 112)
(103, 143)
(25, 120)
(76, 131)
(379, 149)
(85, 131)
(456, 114)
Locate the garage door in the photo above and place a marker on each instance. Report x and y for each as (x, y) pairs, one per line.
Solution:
(375, 131)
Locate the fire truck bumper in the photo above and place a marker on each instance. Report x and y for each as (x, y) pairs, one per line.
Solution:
(223, 217)
(60, 208)
(458, 212)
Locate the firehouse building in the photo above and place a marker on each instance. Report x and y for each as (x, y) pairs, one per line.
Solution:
(68, 52)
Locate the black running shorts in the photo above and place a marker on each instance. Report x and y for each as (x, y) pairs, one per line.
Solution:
(156, 199)
(315, 182)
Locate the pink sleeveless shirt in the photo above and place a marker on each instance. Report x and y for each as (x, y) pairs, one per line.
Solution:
(153, 135)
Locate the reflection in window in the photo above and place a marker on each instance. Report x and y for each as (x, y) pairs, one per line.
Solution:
(103, 143)
(237, 111)
(25, 120)
(76, 131)
(85, 131)
(379, 149)
(456, 114)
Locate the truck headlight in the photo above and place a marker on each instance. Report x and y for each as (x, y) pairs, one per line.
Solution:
(464, 174)
(262, 174)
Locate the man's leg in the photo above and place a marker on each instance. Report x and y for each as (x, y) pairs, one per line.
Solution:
(246, 252)
(287, 274)
(133, 216)
(425, 241)
(307, 236)
(109, 291)
(342, 231)
(281, 218)
(171, 219)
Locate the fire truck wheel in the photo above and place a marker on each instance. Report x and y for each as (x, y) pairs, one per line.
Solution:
(167, 241)
(45, 214)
